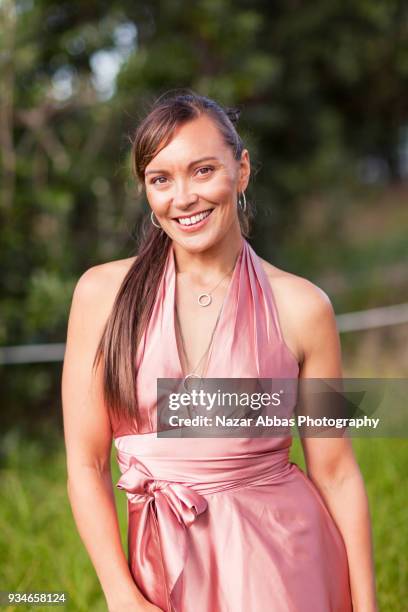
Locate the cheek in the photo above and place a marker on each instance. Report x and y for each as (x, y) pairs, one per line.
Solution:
(220, 189)
(157, 199)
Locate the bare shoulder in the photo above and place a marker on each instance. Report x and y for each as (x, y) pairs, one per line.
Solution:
(301, 305)
(98, 286)
(296, 289)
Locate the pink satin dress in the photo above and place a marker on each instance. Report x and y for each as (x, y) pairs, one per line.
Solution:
(225, 524)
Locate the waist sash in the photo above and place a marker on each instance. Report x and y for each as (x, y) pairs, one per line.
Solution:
(161, 509)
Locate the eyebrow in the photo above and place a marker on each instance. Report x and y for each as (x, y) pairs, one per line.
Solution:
(197, 161)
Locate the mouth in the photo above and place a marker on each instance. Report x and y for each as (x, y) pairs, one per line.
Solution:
(193, 219)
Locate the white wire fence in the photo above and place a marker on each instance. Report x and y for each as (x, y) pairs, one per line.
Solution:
(347, 322)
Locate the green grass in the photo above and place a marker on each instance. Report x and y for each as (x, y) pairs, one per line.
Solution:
(41, 549)
(38, 536)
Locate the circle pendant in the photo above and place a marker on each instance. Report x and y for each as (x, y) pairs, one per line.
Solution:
(204, 299)
(189, 376)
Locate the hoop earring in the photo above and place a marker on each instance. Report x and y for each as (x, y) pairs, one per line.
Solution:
(242, 203)
(152, 220)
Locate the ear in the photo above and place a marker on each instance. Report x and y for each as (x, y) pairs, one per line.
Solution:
(244, 171)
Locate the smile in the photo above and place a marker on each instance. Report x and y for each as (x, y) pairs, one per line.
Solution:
(194, 219)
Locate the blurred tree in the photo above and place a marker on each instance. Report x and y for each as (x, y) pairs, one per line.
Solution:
(322, 86)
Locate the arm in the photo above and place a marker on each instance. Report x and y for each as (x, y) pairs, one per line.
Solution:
(88, 441)
(330, 462)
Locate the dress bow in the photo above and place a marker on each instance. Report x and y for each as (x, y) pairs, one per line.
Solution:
(165, 511)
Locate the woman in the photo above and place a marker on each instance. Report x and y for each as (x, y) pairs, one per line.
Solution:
(215, 524)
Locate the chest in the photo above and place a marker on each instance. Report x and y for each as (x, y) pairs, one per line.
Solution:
(196, 324)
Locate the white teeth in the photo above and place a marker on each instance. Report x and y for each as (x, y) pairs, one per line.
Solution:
(194, 219)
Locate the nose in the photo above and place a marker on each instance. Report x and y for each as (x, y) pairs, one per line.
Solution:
(183, 195)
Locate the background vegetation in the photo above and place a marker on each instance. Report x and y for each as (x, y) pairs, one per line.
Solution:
(323, 89)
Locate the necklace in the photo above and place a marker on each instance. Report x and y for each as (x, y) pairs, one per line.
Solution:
(205, 299)
(193, 374)
(208, 300)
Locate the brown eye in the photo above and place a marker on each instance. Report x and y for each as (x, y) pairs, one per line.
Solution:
(154, 181)
(209, 168)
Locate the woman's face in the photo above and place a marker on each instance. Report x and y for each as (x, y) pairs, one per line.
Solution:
(196, 173)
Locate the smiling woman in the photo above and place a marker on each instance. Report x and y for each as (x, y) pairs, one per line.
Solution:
(197, 301)
(187, 193)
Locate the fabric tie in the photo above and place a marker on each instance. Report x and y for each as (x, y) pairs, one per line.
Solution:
(166, 510)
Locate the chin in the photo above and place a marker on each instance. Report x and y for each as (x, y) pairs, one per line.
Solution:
(196, 244)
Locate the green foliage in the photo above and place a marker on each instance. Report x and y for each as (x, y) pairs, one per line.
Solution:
(320, 86)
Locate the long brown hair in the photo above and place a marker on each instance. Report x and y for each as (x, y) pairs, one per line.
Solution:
(135, 298)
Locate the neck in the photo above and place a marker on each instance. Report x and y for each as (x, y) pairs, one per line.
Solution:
(204, 267)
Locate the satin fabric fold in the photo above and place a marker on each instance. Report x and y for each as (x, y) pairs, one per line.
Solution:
(167, 507)
(165, 510)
